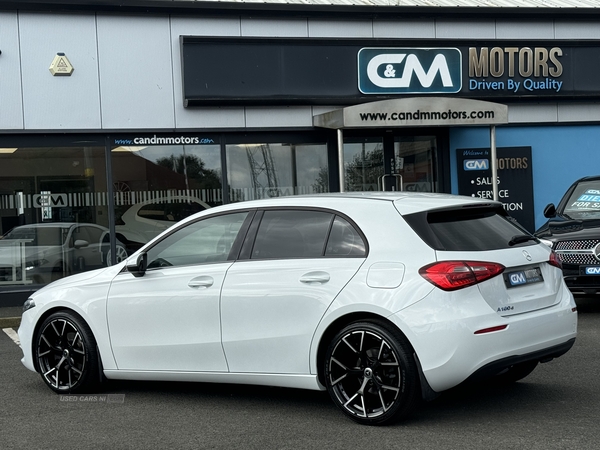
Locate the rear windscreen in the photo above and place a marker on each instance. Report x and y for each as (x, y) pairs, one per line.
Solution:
(468, 229)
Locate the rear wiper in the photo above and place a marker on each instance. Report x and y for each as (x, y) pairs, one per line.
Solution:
(521, 238)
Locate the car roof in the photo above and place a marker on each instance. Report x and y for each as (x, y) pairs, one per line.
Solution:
(50, 225)
(405, 202)
(589, 178)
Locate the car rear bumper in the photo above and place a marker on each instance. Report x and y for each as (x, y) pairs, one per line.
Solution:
(450, 351)
(545, 355)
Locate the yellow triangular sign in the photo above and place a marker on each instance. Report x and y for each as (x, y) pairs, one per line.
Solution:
(61, 65)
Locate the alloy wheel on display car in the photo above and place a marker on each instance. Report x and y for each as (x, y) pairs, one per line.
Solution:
(370, 373)
(121, 255)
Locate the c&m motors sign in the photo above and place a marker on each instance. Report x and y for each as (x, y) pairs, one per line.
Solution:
(409, 70)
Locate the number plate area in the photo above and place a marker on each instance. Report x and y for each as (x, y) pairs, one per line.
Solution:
(590, 270)
(523, 277)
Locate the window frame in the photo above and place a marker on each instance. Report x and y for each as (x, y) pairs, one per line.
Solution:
(235, 248)
(245, 253)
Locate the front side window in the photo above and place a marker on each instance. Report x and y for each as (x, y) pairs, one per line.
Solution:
(204, 241)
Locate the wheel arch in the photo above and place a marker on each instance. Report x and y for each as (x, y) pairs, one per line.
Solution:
(338, 324)
(41, 320)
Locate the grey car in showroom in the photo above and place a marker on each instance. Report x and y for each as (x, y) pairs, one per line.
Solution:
(44, 252)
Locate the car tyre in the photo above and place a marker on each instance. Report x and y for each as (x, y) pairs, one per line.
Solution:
(371, 374)
(66, 354)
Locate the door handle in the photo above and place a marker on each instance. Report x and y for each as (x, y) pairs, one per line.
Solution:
(317, 277)
(201, 282)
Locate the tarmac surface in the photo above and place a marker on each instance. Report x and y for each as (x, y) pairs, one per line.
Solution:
(10, 317)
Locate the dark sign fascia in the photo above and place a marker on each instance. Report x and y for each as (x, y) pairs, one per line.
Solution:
(296, 71)
(515, 179)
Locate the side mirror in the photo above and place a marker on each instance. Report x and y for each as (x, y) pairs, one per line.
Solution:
(550, 211)
(138, 267)
(80, 243)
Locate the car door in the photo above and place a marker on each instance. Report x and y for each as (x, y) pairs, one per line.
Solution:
(273, 300)
(168, 319)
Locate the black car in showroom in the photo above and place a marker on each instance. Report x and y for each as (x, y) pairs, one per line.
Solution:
(573, 231)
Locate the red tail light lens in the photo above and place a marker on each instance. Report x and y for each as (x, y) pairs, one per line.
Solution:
(555, 260)
(453, 275)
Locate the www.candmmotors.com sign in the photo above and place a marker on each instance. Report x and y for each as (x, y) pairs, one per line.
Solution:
(415, 112)
(409, 70)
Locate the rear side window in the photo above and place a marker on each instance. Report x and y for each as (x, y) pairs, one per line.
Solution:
(292, 234)
(344, 240)
(306, 234)
(468, 229)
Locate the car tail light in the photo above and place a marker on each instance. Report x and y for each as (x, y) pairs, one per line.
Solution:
(453, 275)
(555, 260)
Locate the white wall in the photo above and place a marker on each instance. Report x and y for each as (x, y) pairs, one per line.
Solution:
(128, 68)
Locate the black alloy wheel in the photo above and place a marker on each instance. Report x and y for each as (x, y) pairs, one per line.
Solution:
(371, 374)
(66, 353)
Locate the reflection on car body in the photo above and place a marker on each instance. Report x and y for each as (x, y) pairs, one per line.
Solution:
(380, 299)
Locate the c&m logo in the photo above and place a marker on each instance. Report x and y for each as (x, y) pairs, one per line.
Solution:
(517, 278)
(46, 199)
(476, 164)
(409, 70)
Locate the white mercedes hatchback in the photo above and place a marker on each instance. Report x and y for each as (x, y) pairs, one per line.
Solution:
(381, 299)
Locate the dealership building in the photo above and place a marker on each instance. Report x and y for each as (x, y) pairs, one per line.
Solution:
(119, 118)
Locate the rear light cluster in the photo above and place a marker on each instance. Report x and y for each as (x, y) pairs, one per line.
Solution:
(453, 275)
(555, 260)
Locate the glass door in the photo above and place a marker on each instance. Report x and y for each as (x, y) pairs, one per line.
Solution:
(364, 163)
(414, 163)
(385, 161)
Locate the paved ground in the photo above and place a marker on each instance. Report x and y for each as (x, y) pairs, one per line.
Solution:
(556, 407)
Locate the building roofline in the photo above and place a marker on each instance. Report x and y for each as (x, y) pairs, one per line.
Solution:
(341, 9)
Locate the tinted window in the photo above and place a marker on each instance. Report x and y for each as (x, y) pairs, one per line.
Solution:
(207, 240)
(344, 240)
(473, 229)
(292, 234)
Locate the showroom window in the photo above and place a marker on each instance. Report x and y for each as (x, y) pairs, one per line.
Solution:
(53, 213)
(263, 170)
(60, 206)
(158, 185)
